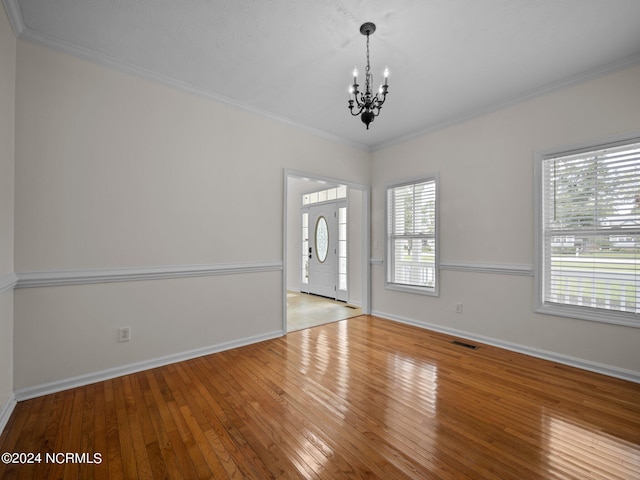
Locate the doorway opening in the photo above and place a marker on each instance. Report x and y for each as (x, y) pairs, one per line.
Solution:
(326, 250)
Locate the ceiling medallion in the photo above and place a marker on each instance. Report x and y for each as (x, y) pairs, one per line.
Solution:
(365, 103)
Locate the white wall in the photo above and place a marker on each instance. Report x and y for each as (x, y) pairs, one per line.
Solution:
(116, 171)
(356, 257)
(486, 217)
(7, 135)
(295, 188)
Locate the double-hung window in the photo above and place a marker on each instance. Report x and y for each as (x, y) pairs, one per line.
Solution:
(412, 240)
(588, 233)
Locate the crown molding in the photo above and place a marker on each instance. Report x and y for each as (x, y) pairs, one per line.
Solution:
(55, 278)
(15, 16)
(591, 74)
(109, 62)
(22, 31)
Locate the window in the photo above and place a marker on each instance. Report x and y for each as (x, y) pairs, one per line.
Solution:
(325, 195)
(322, 239)
(342, 248)
(412, 245)
(305, 248)
(588, 233)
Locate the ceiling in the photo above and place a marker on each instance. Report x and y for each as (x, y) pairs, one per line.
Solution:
(292, 60)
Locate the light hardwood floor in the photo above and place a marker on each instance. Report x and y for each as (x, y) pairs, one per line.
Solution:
(359, 398)
(304, 311)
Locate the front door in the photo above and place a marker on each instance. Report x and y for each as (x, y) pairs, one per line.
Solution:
(323, 249)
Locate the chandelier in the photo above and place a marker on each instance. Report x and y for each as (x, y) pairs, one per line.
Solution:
(365, 103)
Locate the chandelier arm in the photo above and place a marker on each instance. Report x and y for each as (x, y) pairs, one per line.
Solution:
(360, 108)
(379, 100)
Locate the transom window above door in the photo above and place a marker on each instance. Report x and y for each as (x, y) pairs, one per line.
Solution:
(327, 195)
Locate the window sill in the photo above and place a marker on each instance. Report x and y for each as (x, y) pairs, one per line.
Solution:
(432, 292)
(591, 314)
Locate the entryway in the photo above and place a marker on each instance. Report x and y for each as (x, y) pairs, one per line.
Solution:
(326, 250)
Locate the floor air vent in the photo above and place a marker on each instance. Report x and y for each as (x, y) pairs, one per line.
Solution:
(465, 345)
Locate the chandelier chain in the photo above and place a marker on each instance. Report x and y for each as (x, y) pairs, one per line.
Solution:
(368, 65)
(367, 76)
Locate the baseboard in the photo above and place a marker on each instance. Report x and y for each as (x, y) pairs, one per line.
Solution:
(81, 380)
(514, 347)
(348, 301)
(87, 379)
(6, 411)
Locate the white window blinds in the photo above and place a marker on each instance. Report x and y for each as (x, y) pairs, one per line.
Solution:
(591, 229)
(411, 235)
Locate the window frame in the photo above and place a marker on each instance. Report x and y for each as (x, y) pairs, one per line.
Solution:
(401, 287)
(541, 305)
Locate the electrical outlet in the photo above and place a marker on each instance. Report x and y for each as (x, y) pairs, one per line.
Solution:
(458, 307)
(124, 334)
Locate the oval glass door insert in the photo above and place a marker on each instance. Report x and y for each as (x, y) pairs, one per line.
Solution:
(322, 239)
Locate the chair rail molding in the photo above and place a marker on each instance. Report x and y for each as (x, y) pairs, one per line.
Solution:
(8, 282)
(494, 268)
(52, 278)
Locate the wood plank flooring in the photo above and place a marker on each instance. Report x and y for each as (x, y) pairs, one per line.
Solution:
(359, 398)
